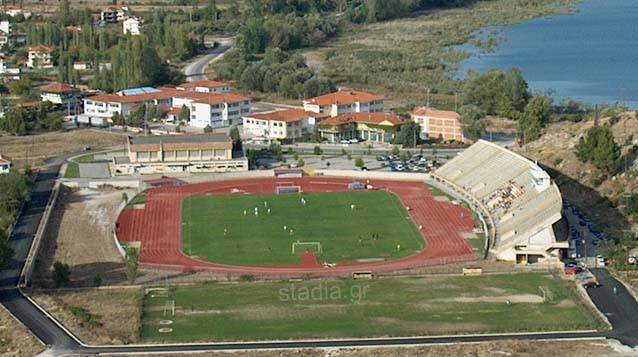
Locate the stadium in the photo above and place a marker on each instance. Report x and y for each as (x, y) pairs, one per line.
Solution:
(337, 223)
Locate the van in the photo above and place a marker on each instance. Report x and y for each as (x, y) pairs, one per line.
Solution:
(600, 261)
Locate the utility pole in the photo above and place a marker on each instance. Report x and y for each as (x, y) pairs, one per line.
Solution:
(427, 105)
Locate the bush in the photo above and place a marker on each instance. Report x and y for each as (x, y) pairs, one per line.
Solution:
(349, 157)
(343, 151)
(246, 278)
(395, 150)
(208, 129)
(318, 150)
(358, 162)
(61, 274)
(300, 163)
(295, 156)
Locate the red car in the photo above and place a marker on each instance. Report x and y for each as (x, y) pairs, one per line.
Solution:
(573, 270)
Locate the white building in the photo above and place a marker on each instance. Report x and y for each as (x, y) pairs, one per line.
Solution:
(40, 57)
(218, 110)
(5, 32)
(281, 124)
(61, 94)
(13, 11)
(205, 86)
(132, 25)
(81, 66)
(115, 13)
(104, 106)
(5, 164)
(344, 101)
(179, 153)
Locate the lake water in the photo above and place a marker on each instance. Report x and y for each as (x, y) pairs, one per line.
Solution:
(590, 56)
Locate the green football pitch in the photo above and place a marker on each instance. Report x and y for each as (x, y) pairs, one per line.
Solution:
(349, 226)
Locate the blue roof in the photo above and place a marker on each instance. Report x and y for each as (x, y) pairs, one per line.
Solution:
(142, 90)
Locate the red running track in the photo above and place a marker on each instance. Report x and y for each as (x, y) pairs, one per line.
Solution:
(157, 227)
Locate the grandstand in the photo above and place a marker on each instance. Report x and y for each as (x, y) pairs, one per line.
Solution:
(520, 197)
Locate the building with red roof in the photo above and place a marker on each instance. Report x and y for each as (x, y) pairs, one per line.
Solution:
(439, 124)
(344, 101)
(60, 93)
(205, 86)
(5, 164)
(281, 124)
(372, 127)
(115, 13)
(40, 56)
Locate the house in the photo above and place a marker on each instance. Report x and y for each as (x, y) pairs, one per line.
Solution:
(439, 124)
(73, 28)
(205, 86)
(61, 94)
(40, 57)
(113, 14)
(100, 108)
(371, 127)
(5, 32)
(13, 11)
(81, 66)
(5, 164)
(344, 101)
(132, 25)
(281, 124)
(218, 110)
(179, 153)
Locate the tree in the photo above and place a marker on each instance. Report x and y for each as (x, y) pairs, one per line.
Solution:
(184, 114)
(132, 262)
(61, 274)
(531, 122)
(251, 79)
(317, 150)
(408, 135)
(236, 138)
(472, 121)
(358, 161)
(600, 148)
(395, 150)
(253, 36)
(300, 162)
(5, 250)
(208, 129)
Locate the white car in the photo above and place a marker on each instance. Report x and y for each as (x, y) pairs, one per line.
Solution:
(600, 260)
(354, 141)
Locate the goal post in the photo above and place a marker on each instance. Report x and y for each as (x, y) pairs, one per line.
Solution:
(288, 189)
(314, 247)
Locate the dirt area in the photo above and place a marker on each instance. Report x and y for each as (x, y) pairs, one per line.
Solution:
(96, 316)
(505, 348)
(80, 235)
(15, 339)
(556, 149)
(501, 126)
(34, 149)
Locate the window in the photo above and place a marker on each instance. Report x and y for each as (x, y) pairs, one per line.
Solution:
(220, 153)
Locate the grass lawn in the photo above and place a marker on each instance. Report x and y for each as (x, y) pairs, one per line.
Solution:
(72, 170)
(346, 308)
(345, 234)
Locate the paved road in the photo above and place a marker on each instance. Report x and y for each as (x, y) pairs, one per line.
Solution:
(620, 307)
(194, 71)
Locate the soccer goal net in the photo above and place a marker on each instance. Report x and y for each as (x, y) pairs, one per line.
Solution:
(288, 189)
(300, 247)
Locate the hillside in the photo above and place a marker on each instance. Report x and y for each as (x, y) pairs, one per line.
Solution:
(556, 150)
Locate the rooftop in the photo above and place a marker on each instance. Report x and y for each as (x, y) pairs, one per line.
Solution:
(219, 98)
(41, 48)
(435, 113)
(287, 115)
(387, 119)
(217, 138)
(343, 97)
(57, 87)
(203, 83)
(164, 93)
(4, 159)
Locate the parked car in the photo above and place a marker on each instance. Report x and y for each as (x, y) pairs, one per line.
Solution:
(573, 271)
(571, 265)
(591, 285)
(354, 141)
